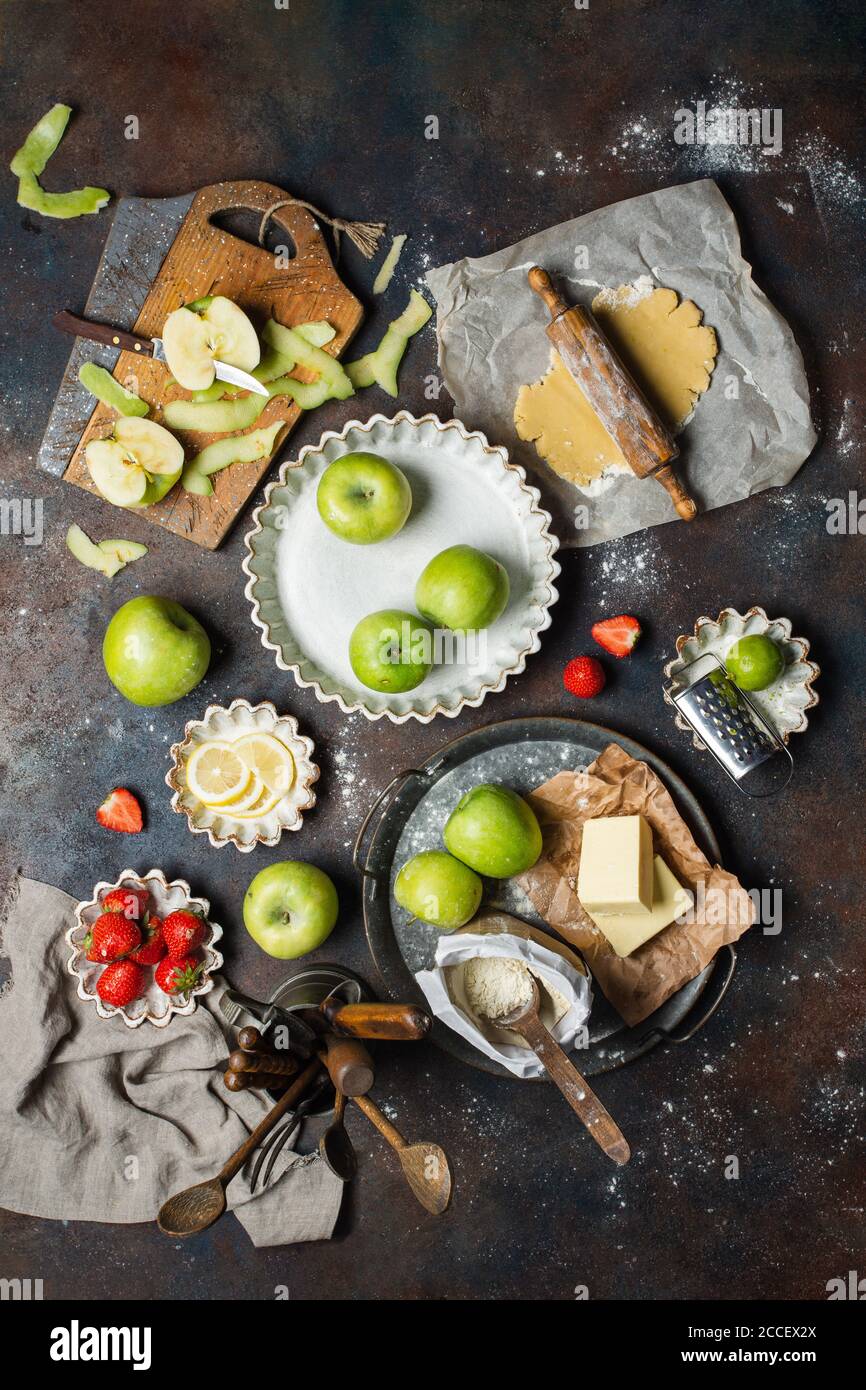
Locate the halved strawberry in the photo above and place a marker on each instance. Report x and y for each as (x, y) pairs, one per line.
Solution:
(132, 902)
(178, 976)
(120, 811)
(152, 948)
(182, 932)
(617, 635)
(111, 936)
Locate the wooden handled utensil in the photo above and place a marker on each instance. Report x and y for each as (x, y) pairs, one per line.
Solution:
(561, 1070)
(241, 1061)
(424, 1165)
(349, 1065)
(196, 1208)
(335, 1146)
(395, 1022)
(618, 402)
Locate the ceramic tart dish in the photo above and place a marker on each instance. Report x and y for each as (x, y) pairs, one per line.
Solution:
(308, 588)
(153, 1006)
(785, 701)
(228, 725)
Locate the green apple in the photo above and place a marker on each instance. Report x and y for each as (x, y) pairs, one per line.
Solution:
(363, 498)
(462, 588)
(154, 651)
(494, 831)
(438, 889)
(290, 908)
(391, 651)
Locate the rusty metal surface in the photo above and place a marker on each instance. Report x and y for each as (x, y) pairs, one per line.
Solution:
(544, 111)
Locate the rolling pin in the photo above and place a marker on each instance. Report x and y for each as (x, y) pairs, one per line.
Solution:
(626, 414)
(397, 1022)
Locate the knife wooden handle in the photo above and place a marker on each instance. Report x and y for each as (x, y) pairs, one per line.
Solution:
(397, 1022)
(646, 444)
(101, 333)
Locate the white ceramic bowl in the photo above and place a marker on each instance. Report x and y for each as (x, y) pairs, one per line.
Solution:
(153, 1006)
(231, 723)
(308, 588)
(784, 703)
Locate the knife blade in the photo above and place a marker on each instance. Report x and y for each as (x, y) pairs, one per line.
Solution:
(94, 332)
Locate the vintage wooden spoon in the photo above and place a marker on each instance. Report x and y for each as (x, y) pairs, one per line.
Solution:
(561, 1070)
(335, 1146)
(196, 1208)
(424, 1165)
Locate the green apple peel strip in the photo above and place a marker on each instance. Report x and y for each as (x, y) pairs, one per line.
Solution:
(30, 160)
(223, 453)
(101, 384)
(381, 365)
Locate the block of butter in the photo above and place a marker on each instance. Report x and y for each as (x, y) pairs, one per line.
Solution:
(670, 900)
(616, 866)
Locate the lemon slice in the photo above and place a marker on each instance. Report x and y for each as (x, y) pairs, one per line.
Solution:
(266, 803)
(269, 759)
(254, 792)
(216, 774)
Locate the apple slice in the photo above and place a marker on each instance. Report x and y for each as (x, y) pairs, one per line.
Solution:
(136, 465)
(152, 446)
(192, 340)
(118, 477)
(108, 557)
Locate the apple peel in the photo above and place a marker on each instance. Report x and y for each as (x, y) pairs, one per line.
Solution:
(106, 388)
(223, 453)
(30, 160)
(381, 365)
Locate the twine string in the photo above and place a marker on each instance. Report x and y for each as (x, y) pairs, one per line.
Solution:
(365, 235)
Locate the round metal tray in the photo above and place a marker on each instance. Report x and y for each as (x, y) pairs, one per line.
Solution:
(412, 809)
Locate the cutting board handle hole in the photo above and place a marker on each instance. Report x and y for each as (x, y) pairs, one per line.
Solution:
(243, 224)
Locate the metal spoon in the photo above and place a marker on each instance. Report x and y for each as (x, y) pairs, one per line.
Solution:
(561, 1070)
(335, 1146)
(196, 1208)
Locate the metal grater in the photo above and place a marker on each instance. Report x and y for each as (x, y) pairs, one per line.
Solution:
(740, 739)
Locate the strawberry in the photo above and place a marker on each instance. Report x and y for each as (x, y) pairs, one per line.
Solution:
(617, 635)
(120, 983)
(177, 976)
(583, 677)
(152, 948)
(182, 932)
(120, 811)
(132, 902)
(111, 936)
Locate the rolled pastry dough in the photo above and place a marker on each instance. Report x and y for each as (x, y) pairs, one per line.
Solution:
(668, 351)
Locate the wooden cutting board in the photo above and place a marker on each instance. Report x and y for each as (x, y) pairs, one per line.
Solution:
(205, 259)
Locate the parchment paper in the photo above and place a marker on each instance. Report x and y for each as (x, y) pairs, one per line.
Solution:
(446, 1003)
(492, 341)
(618, 785)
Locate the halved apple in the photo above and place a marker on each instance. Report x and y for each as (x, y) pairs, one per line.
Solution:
(192, 340)
(137, 464)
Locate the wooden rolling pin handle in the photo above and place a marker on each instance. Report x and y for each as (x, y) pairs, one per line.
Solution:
(254, 1081)
(394, 1022)
(251, 1040)
(540, 281)
(684, 504)
(349, 1065)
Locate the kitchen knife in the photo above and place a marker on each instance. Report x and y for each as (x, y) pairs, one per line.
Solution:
(146, 347)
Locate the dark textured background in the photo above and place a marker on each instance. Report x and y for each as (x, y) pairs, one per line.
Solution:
(329, 101)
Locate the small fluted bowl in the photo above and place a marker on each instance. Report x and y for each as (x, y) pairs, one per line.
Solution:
(785, 701)
(220, 826)
(153, 1006)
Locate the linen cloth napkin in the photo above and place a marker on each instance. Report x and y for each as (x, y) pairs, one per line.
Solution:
(101, 1122)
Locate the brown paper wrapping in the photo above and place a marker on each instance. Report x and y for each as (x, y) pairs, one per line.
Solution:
(617, 785)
